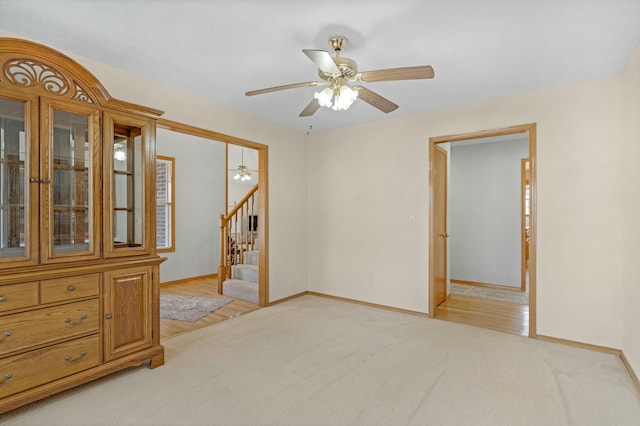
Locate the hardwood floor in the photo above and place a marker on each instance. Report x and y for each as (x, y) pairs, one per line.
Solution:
(205, 287)
(501, 316)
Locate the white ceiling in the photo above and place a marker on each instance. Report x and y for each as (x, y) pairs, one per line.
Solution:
(222, 48)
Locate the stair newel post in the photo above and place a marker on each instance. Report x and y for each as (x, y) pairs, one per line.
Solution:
(224, 249)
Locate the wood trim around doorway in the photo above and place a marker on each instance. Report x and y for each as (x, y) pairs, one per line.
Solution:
(263, 191)
(433, 141)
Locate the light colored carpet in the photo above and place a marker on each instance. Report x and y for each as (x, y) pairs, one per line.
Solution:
(188, 308)
(521, 298)
(319, 361)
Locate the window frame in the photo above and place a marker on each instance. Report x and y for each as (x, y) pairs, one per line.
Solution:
(171, 204)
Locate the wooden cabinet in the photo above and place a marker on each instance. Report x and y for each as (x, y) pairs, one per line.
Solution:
(79, 272)
(129, 168)
(128, 325)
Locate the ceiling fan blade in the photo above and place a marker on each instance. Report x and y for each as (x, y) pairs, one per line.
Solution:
(310, 109)
(372, 98)
(285, 87)
(323, 60)
(406, 73)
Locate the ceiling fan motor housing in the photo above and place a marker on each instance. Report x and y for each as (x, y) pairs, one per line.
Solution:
(348, 67)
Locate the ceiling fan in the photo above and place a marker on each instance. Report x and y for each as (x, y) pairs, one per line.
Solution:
(242, 172)
(342, 77)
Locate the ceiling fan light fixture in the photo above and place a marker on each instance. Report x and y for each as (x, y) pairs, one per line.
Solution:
(324, 97)
(242, 173)
(345, 96)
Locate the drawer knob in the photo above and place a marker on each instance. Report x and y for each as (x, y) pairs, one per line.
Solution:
(3, 298)
(6, 334)
(6, 378)
(71, 287)
(82, 318)
(69, 359)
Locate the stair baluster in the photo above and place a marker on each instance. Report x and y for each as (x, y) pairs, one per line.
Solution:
(237, 235)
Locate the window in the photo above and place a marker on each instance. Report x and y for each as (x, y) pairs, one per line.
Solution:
(165, 207)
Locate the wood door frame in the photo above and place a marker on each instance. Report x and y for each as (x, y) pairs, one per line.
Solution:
(446, 223)
(263, 164)
(433, 141)
(524, 176)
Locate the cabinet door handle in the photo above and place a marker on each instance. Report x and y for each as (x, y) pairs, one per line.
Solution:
(6, 378)
(108, 316)
(46, 180)
(82, 318)
(69, 359)
(6, 334)
(3, 298)
(71, 287)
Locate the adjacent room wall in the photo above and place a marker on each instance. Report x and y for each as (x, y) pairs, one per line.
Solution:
(485, 210)
(200, 172)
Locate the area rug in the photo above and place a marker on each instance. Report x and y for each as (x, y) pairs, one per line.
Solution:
(521, 298)
(188, 308)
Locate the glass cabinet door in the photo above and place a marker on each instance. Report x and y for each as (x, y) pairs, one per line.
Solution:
(69, 181)
(18, 197)
(128, 167)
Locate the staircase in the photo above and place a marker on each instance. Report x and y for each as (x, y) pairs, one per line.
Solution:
(238, 273)
(243, 283)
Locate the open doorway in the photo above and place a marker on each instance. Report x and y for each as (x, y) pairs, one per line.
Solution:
(201, 184)
(240, 245)
(482, 229)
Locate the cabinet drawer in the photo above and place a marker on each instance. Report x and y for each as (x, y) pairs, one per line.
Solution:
(26, 329)
(31, 369)
(69, 288)
(16, 296)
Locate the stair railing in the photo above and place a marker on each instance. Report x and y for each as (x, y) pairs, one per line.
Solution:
(238, 231)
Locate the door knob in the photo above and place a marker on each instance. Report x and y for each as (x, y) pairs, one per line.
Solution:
(444, 235)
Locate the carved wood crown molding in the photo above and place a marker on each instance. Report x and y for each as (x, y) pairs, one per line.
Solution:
(26, 65)
(25, 72)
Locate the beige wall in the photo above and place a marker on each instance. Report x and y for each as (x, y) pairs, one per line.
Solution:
(366, 181)
(631, 294)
